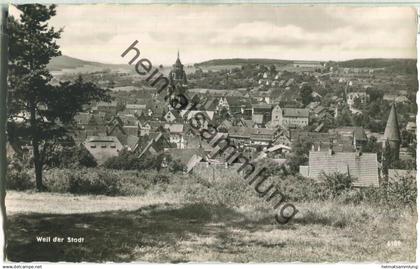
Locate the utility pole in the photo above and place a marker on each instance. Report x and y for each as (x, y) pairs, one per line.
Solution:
(3, 114)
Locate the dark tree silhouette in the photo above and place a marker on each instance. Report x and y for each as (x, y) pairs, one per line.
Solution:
(40, 113)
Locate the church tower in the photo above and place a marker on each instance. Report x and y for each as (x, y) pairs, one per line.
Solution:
(177, 76)
(392, 133)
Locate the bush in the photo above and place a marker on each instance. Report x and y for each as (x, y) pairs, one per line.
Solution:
(402, 191)
(101, 182)
(70, 157)
(336, 183)
(176, 166)
(58, 180)
(300, 189)
(19, 180)
(129, 161)
(105, 181)
(231, 192)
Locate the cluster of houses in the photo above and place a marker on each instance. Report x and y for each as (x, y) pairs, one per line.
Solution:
(259, 128)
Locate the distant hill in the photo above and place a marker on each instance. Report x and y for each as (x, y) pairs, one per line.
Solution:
(390, 64)
(238, 61)
(65, 62)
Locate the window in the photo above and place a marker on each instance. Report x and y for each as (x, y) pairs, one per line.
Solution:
(93, 147)
(103, 146)
(113, 146)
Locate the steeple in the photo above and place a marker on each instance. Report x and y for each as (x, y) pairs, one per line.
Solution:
(392, 131)
(177, 76)
(178, 61)
(392, 136)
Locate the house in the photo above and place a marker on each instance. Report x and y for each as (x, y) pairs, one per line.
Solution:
(210, 104)
(171, 116)
(239, 105)
(156, 145)
(128, 119)
(89, 125)
(103, 147)
(184, 155)
(223, 103)
(252, 136)
(356, 134)
(176, 134)
(156, 109)
(108, 108)
(402, 100)
(261, 113)
(290, 117)
(134, 109)
(145, 128)
(319, 111)
(362, 166)
(390, 97)
(82, 118)
(224, 126)
(411, 127)
(352, 96)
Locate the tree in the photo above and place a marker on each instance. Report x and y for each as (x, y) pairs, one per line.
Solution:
(372, 145)
(375, 94)
(41, 114)
(344, 118)
(224, 114)
(306, 94)
(299, 156)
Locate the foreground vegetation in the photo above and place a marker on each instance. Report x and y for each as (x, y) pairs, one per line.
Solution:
(165, 217)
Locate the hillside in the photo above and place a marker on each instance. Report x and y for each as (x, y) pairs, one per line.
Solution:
(69, 63)
(397, 65)
(238, 61)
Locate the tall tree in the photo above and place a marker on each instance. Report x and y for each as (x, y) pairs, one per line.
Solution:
(40, 113)
(306, 94)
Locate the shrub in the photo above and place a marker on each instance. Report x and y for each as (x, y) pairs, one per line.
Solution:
(58, 180)
(231, 192)
(105, 181)
(299, 189)
(336, 183)
(129, 161)
(176, 166)
(19, 180)
(70, 157)
(402, 191)
(101, 182)
(124, 161)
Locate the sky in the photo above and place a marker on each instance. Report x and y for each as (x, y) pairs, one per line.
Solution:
(203, 32)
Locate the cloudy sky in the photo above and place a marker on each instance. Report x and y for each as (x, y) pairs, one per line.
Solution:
(202, 32)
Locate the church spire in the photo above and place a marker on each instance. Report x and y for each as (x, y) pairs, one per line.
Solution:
(392, 131)
(178, 61)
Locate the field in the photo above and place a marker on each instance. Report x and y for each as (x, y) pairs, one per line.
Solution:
(165, 228)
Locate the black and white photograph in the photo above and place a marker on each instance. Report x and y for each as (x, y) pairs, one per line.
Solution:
(209, 133)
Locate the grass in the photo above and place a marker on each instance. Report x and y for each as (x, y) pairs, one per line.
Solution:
(164, 229)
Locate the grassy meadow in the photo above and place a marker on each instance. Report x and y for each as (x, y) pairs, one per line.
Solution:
(190, 219)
